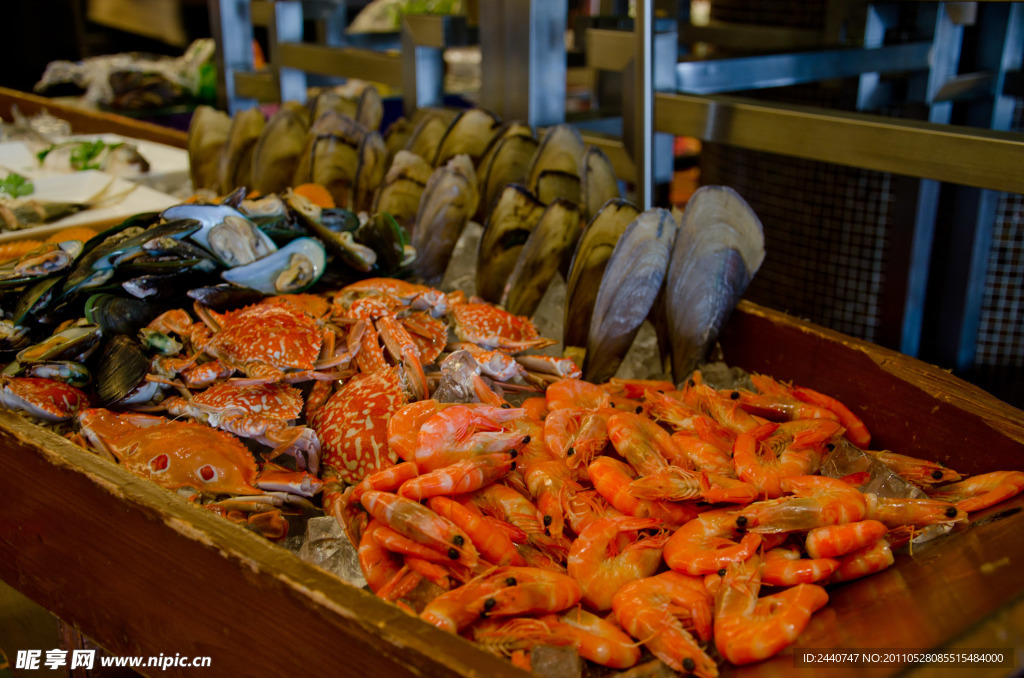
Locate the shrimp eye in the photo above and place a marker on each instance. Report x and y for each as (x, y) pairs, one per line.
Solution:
(506, 406)
(458, 540)
(741, 521)
(951, 512)
(937, 474)
(511, 581)
(830, 447)
(735, 395)
(547, 520)
(721, 573)
(513, 466)
(490, 603)
(569, 452)
(639, 409)
(513, 453)
(453, 554)
(691, 383)
(689, 664)
(526, 440)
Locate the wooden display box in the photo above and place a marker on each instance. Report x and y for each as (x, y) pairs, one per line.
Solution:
(144, 572)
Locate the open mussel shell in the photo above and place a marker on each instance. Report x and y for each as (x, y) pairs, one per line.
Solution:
(135, 246)
(121, 369)
(399, 194)
(513, 218)
(560, 151)
(46, 261)
(36, 299)
(322, 223)
(73, 343)
(588, 265)
(225, 232)
(236, 156)
(448, 202)
(225, 296)
(68, 371)
(382, 233)
(207, 133)
(276, 154)
(293, 268)
(719, 249)
(629, 288)
(598, 182)
(469, 133)
(538, 262)
(506, 162)
(120, 315)
(85, 273)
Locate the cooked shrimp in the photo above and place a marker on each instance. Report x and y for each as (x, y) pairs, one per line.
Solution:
(494, 543)
(536, 408)
(748, 629)
(916, 512)
(466, 475)
(724, 409)
(576, 434)
(585, 507)
(379, 565)
(921, 472)
(652, 609)
(456, 609)
(818, 501)
(856, 432)
(551, 483)
(775, 401)
(704, 455)
(675, 484)
(537, 591)
(405, 423)
(595, 638)
(833, 541)
(601, 569)
(505, 503)
(981, 491)
(766, 455)
(866, 560)
(462, 431)
(708, 542)
(665, 408)
(420, 524)
(646, 446)
(611, 478)
(509, 636)
(636, 388)
(575, 393)
(784, 566)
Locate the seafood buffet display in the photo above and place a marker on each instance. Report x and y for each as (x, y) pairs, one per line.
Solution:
(272, 359)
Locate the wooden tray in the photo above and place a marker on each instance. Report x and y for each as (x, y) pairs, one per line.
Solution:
(143, 572)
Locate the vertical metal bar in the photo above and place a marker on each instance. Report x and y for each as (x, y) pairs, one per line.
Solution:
(643, 103)
(231, 25)
(286, 26)
(422, 72)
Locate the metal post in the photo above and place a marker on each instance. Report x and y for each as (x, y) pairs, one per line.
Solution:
(643, 103)
(231, 24)
(422, 64)
(286, 26)
(523, 57)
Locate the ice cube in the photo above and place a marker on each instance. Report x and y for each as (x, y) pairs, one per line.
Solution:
(556, 661)
(458, 371)
(327, 547)
(847, 459)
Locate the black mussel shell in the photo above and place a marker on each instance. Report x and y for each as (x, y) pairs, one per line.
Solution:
(122, 367)
(177, 229)
(281, 228)
(338, 219)
(225, 297)
(83, 274)
(120, 315)
(162, 286)
(36, 299)
(383, 234)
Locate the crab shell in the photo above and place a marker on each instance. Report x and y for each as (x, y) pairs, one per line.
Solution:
(274, 401)
(265, 333)
(173, 454)
(46, 399)
(494, 328)
(353, 424)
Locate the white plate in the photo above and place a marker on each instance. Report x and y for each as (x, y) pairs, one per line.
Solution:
(125, 199)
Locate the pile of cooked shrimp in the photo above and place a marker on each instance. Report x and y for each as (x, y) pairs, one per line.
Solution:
(611, 517)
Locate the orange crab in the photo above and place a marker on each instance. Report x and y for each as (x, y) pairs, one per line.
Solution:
(494, 328)
(263, 412)
(47, 399)
(185, 455)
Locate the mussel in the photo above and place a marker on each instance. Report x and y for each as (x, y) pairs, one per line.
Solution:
(121, 373)
(448, 202)
(719, 249)
(399, 195)
(276, 153)
(470, 133)
(341, 244)
(115, 314)
(236, 159)
(505, 162)
(225, 232)
(293, 268)
(207, 133)
(509, 225)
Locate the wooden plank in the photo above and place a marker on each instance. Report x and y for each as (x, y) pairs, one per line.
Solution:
(85, 121)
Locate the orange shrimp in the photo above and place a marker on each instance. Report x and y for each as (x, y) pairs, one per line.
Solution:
(458, 608)
(707, 543)
(466, 475)
(612, 478)
(575, 434)
(595, 638)
(866, 560)
(537, 591)
(600, 570)
(420, 524)
(492, 542)
(856, 432)
(551, 483)
(920, 472)
(818, 501)
(766, 455)
(462, 431)
(833, 541)
(505, 503)
(652, 609)
(646, 446)
(748, 629)
(510, 636)
(536, 408)
(585, 507)
(405, 423)
(981, 491)
(664, 408)
(397, 543)
(704, 455)
(675, 484)
(636, 388)
(784, 566)
(775, 401)
(381, 568)
(575, 393)
(917, 512)
(724, 409)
